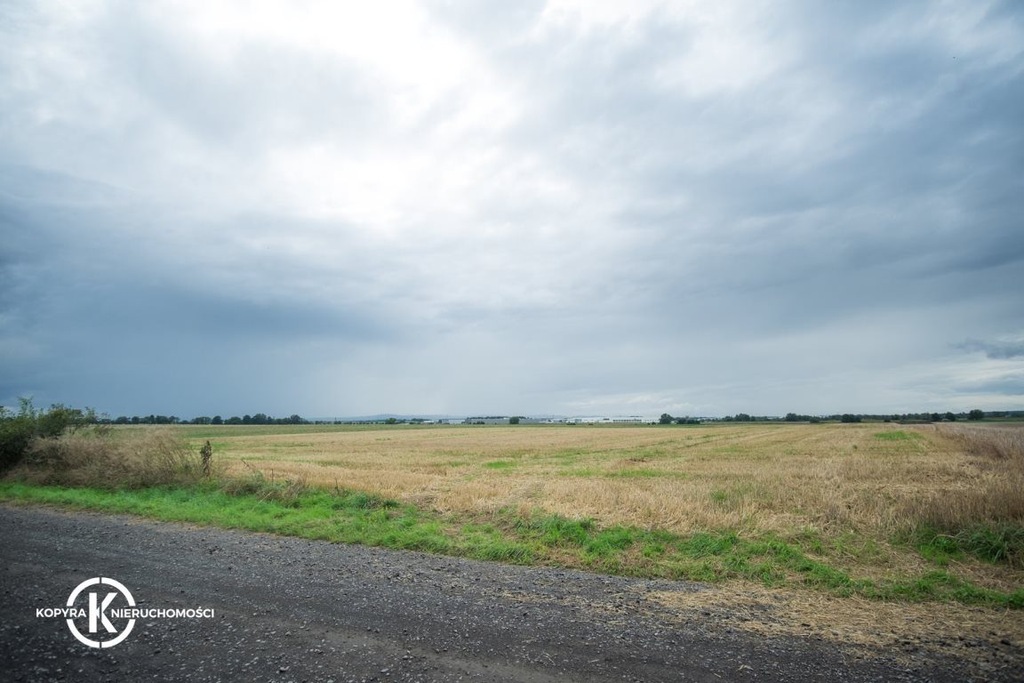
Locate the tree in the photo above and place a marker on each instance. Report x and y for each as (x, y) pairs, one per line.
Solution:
(976, 414)
(847, 417)
(513, 420)
(665, 419)
(16, 433)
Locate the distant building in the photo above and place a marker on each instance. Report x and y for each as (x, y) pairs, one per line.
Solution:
(628, 419)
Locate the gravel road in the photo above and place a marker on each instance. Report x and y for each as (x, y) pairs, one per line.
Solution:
(293, 610)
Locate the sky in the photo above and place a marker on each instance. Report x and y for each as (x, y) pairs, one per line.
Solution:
(572, 207)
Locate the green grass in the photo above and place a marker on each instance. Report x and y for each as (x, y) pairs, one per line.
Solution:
(644, 473)
(993, 543)
(500, 464)
(345, 516)
(897, 436)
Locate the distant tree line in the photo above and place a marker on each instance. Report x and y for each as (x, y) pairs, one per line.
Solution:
(257, 419)
(667, 419)
(972, 415)
(89, 416)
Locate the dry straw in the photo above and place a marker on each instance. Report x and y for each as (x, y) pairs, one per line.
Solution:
(129, 459)
(875, 479)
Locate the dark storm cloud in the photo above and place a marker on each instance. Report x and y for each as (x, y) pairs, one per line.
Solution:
(84, 266)
(995, 349)
(92, 314)
(912, 137)
(929, 185)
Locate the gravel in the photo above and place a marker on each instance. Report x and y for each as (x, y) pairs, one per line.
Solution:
(293, 610)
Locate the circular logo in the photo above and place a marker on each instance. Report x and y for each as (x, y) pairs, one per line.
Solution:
(99, 601)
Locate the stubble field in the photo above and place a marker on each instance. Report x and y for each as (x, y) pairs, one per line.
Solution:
(891, 509)
(851, 492)
(873, 479)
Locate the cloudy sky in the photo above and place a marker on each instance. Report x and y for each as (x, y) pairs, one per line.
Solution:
(564, 207)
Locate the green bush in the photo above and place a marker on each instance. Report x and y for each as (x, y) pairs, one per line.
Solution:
(64, 446)
(19, 431)
(16, 433)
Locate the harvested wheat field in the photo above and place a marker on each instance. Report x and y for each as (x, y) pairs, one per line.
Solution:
(863, 483)
(892, 507)
(872, 479)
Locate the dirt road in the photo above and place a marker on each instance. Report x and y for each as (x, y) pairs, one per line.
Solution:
(293, 610)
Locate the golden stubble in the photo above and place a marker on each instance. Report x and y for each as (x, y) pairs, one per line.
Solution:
(749, 478)
(852, 488)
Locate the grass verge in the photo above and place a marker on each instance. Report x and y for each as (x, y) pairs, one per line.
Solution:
(355, 517)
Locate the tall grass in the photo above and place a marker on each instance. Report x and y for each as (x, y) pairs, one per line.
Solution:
(983, 517)
(107, 459)
(996, 463)
(996, 442)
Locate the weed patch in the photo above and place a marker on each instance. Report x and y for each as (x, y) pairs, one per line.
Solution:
(500, 464)
(993, 543)
(896, 436)
(641, 473)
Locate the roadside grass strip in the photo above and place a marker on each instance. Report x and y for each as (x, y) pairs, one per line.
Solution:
(345, 516)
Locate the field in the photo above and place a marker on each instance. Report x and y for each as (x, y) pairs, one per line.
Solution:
(854, 493)
(872, 531)
(873, 479)
(877, 510)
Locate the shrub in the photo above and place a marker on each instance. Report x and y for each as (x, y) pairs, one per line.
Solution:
(18, 431)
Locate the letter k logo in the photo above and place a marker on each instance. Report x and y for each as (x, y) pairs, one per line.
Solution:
(100, 612)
